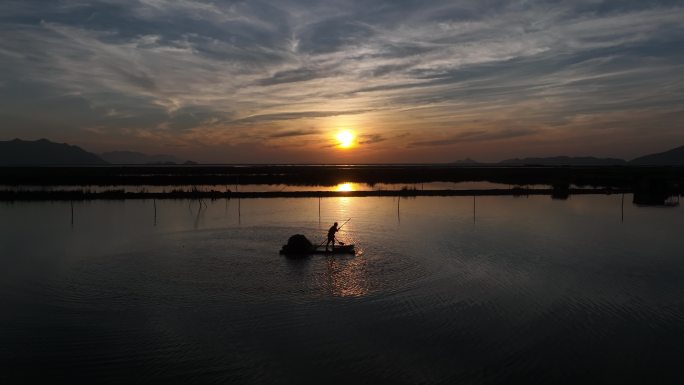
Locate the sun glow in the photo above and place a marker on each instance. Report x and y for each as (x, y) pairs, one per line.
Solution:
(344, 187)
(345, 139)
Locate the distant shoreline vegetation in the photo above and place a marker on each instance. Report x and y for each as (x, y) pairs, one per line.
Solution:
(294, 175)
(118, 194)
(639, 197)
(649, 184)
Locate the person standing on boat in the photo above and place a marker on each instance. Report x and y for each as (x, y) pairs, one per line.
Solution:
(331, 236)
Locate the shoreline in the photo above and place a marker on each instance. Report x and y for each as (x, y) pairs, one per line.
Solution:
(595, 177)
(650, 185)
(67, 195)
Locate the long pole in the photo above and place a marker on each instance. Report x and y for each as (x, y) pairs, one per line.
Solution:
(338, 229)
(345, 222)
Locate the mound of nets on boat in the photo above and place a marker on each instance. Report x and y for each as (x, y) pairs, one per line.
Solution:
(298, 244)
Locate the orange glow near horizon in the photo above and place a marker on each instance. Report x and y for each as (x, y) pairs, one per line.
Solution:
(345, 139)
(344, 187)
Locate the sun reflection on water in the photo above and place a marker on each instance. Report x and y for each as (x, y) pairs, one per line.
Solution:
(347, 278)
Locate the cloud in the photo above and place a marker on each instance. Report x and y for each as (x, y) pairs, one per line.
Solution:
(290, 76)
(296, 115)
(371, 139)
(476, 136)
(429, 66)
(293, 133)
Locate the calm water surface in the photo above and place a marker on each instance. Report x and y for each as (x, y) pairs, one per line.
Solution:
(442, 290)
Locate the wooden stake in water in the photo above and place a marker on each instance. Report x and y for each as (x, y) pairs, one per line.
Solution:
(154, 203)
(473, 208)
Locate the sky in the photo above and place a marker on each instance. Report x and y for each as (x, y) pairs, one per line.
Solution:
(413, 80)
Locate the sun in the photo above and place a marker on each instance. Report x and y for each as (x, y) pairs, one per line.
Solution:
(345, 139)
(344, 187)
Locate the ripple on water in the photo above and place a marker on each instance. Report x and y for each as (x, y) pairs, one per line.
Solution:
(429, 300)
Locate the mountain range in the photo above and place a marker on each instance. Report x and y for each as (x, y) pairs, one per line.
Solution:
(565, 161)
(674, 157)
(43, 152)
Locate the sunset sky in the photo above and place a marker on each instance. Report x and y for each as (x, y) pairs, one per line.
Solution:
(283, 81)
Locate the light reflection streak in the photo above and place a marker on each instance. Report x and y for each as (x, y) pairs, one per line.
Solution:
(346, 277)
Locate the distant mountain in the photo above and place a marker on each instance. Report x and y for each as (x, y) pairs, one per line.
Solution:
(674, 157)
(466, 162)
(564, 161)
(131, 157)
(44, 153)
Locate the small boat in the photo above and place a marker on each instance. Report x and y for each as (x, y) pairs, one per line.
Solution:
(339, 249)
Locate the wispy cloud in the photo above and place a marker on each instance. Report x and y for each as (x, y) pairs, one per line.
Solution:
(457, 71)
(293, 133)
(371, 139)
(475, 136)
(296, 115)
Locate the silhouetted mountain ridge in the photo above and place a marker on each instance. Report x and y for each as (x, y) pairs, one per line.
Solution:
(674, 157)
(43, 152)
(466, 162)
(565, 161)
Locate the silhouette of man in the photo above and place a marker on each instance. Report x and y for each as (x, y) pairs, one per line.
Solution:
(331, 236)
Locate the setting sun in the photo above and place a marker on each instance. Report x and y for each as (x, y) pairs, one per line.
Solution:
(345, 139)
(344, 187)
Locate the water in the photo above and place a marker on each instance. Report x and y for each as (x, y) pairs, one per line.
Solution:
(442, 290)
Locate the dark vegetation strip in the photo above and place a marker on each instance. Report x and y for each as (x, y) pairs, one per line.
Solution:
(64, 195)
(615, 177)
